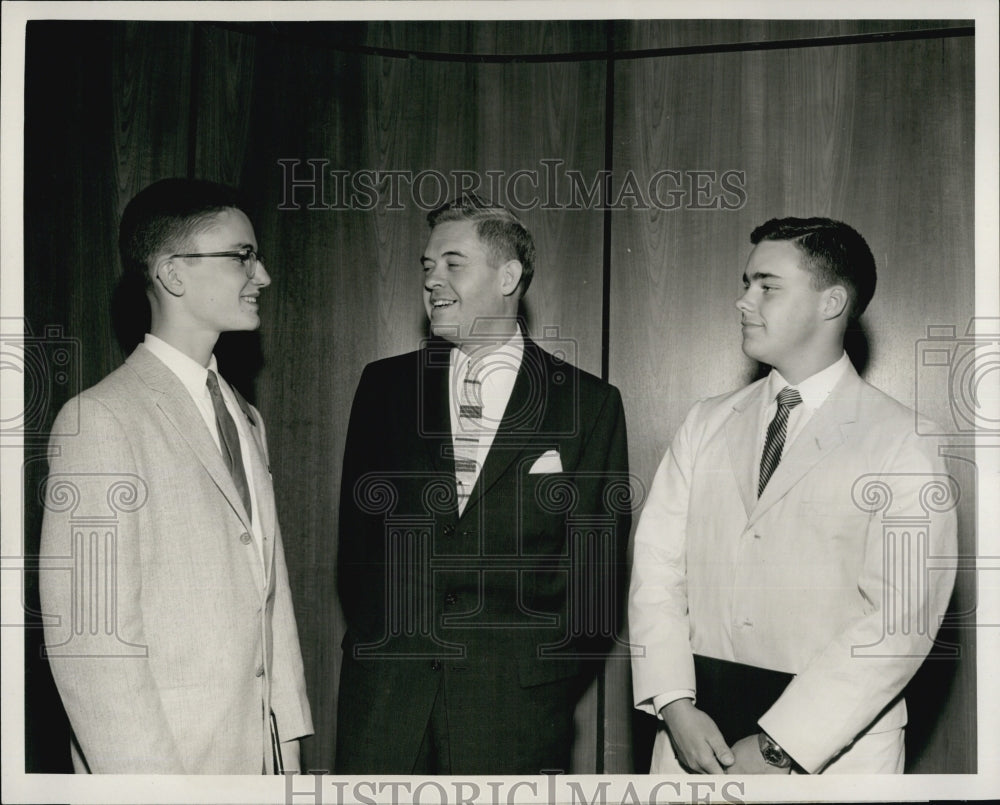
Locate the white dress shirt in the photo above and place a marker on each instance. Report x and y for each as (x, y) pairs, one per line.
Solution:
(495, 365)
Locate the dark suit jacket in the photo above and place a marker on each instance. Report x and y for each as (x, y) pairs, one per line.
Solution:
(520, 591)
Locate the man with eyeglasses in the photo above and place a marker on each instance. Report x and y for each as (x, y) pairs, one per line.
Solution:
(173, 641)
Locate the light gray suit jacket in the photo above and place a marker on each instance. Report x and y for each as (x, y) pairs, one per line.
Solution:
(168, 641)
(825, 576)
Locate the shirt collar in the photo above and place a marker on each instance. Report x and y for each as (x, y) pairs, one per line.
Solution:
(814, 389)
(508, 354)
(191, 373)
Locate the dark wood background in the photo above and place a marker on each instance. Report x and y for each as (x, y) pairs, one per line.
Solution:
(871, 122)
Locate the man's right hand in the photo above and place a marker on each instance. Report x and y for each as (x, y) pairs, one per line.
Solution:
(697, 742)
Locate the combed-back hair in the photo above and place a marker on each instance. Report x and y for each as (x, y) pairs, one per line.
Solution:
(836, 254)
(498, 228)
(163, 217)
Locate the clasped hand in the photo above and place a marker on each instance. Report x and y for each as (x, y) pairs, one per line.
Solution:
(701, 749)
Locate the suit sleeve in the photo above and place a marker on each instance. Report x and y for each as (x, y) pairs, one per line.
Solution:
(100, 666)
(288, 685)
(604, 470)
(659, 630)
(353, 525)
(843, 690)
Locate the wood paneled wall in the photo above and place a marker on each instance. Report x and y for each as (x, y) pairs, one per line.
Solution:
(879, 134)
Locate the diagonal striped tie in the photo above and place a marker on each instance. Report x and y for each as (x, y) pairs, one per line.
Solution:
(229, 439)
(466, 439)
(788, 398)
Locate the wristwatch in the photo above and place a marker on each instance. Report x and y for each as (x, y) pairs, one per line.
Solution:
(773, 754)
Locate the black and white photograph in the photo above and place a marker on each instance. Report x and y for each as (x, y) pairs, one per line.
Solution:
(432, 402)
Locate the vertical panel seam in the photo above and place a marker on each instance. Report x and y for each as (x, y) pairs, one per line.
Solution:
(609, 121)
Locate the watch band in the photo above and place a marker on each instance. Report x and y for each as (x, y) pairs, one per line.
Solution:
(773, 754)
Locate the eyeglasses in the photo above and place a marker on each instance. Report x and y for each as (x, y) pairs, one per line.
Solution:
(248, 258)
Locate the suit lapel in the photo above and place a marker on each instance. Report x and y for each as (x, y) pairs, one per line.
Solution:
(824, 432)
(434, 412)
(179, 409)
(263, 489)
(741, 438)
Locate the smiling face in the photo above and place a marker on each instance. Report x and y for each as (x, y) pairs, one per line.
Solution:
(462, 289)
(784, 317)
(217, 296)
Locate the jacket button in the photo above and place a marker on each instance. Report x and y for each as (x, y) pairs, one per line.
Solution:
(435, 665)
(245, 538)
(260, 670)
(449, 530)
(451, 599)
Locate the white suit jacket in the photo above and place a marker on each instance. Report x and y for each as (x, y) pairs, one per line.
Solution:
(168, 641)
(824, 576)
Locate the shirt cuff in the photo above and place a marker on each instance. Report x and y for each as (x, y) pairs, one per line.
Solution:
(663, 699)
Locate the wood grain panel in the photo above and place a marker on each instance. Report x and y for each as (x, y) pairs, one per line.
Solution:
(225, 61)
(835, 131)
(642, 34)
(151, 91)
(527, 114)
(489, 38)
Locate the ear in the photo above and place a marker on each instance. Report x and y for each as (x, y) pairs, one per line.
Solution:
(510, 276)
(165, 276)
(835, 302)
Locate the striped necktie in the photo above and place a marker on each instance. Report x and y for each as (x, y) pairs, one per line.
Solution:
(788, 398)
(466, 439)
(229, 439)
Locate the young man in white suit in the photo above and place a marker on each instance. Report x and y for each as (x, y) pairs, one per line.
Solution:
(172, 641)
(769, 568)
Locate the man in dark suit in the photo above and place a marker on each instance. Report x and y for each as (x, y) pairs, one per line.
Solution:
(483, 518)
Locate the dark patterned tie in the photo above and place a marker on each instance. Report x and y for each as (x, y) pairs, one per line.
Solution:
(230, 441)
(788, 398)
(470, 415)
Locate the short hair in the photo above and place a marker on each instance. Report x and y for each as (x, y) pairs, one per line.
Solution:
(498, 228)
(836, 254)
(165, 215)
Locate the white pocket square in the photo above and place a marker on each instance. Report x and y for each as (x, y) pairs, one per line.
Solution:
(546, 462)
